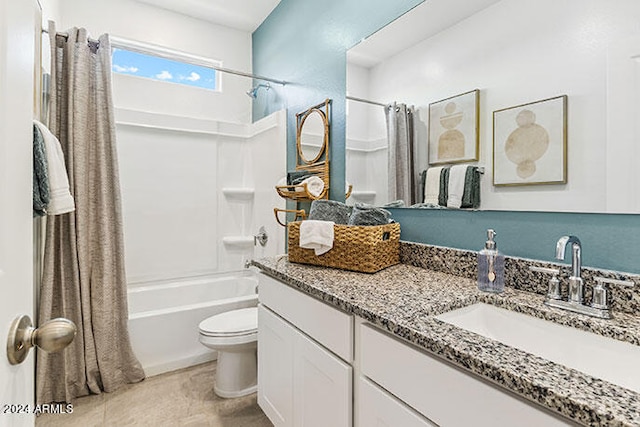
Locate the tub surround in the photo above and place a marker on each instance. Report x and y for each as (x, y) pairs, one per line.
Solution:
(404, 299)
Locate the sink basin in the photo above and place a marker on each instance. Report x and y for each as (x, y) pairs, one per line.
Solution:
(605, 358)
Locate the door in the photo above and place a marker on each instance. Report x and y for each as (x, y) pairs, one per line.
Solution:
(322, 386)
(16, 255)
(275, 367)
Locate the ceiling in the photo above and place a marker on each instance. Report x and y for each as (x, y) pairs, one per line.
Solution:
(420, 23)
(244, 15)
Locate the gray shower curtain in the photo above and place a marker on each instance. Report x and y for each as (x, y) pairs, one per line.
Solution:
(84, 276)
(403, 181)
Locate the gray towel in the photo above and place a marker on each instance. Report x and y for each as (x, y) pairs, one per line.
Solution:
(295, 178)
(444, 187)
(396, 203)
(426, 206)
(40, 175)
(330, 210)
(471, 195)
(363, 214)
(423, 182)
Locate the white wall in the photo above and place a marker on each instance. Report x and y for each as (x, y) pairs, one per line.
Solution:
(142, 22)
(176, 174)
(518, 51)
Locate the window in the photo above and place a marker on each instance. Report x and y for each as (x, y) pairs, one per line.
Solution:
(164, 65)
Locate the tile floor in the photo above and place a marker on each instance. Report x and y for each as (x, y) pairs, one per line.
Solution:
(179, 398)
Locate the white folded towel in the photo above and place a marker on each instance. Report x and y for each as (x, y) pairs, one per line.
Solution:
(432, 185)
(315, 185)
(60, 199)
(456, 186)
(316, 235)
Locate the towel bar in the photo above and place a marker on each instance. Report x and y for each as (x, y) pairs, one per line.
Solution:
(300, 213)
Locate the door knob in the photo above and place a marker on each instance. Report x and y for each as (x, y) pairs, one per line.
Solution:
(51, 336)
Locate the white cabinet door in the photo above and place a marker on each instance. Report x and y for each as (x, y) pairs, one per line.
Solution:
(300, 383)
(322, 386)
(275, 367)
(378, 408)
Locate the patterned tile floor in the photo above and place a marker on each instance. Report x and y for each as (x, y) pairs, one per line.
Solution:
(179, 398)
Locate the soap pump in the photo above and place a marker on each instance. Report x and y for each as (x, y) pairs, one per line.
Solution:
(490, 266)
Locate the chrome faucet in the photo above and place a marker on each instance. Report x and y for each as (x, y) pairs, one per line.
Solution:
(576, 286)
(599, 306)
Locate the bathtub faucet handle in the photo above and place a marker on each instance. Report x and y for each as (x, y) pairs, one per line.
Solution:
(262, 237)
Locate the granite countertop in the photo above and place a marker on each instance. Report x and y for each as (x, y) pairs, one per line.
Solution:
(404, 299)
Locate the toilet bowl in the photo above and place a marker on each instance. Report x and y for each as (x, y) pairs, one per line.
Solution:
(234, 335)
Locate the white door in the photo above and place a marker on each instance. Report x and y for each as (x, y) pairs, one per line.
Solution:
(321, 384)
(16, 268)
(275, 367)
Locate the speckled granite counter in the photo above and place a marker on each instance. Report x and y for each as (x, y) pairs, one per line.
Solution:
(404, 299)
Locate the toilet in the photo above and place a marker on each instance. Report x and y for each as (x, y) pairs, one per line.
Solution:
(234, 334)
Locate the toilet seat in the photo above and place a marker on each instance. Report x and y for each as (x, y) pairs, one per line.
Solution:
(233, 323)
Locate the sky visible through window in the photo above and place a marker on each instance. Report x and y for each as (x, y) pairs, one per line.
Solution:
(156, 68)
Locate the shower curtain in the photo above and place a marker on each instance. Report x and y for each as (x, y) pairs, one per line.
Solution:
(402, 155)
(84, 277)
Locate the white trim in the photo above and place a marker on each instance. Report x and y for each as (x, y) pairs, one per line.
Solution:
(163, 52)
(171, 123)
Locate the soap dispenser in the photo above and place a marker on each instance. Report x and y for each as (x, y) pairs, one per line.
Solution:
(490, 266)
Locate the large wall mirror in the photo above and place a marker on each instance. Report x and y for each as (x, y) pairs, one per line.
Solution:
(515, 52)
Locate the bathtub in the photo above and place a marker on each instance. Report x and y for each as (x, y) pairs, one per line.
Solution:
(164, 316)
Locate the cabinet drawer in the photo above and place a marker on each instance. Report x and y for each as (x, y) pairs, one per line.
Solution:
(330, 327)
(446, 395)
(378, 408)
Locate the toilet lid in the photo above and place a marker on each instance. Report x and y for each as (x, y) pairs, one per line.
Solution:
(234, 322)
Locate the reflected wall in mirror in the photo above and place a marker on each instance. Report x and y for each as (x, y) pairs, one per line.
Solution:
(515, 52)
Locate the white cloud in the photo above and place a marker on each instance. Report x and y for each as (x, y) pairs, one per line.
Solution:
(120, 69)
(164, 75)
(193, 77)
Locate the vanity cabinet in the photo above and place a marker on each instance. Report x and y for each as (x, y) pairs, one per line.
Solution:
(305, 348)
(439, 391)
(318, 366)
(376, 407)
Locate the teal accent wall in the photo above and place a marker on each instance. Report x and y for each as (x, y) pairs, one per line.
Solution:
(305, 42)
(608, 241)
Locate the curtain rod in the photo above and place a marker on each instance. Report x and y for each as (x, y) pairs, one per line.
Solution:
(366, 101)
(173, 55)
(58, 33)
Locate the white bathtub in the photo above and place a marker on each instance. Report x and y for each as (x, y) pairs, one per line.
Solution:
(164, 317)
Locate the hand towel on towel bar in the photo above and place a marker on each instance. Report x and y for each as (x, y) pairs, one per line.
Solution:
(457, 176)
(316, 235)
(60, 201)
(432, 185)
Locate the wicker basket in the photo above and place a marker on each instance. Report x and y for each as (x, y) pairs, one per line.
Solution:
(358, 248)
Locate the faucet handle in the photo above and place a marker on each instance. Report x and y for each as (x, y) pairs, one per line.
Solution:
(554, 283)
(600, 291)
(554, 271)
